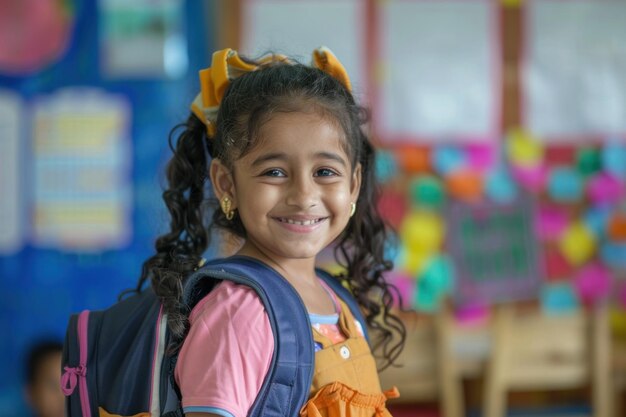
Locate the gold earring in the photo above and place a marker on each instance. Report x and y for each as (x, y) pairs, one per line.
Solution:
(226, 203)
(352, 208)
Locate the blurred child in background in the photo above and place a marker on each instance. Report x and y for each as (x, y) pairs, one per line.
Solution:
(43, 374)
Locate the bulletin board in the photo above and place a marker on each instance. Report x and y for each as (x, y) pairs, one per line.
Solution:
(50, 269)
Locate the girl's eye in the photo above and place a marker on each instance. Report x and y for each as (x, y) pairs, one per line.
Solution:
(274, 173)
(325, 172)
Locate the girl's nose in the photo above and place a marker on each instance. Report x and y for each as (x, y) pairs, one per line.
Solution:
(302, 193)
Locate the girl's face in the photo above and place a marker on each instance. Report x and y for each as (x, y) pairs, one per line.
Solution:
(293, 191)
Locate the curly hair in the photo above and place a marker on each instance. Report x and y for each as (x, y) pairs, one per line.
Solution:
(248, 102)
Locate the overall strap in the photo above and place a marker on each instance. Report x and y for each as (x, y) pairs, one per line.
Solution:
(346, 297)
(286, 386)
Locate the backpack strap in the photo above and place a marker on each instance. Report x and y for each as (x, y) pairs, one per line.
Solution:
(286, 387)
(347, 298)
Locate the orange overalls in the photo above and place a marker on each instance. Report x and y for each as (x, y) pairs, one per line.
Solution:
(345, 379)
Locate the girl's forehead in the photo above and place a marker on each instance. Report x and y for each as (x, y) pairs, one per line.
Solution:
(299, 134)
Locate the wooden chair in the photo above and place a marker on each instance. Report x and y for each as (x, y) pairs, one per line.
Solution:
(533, 351)
(434, 367)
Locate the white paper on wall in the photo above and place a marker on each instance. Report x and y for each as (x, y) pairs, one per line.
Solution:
(295, 28)
(81, 164)
(12, 201)
(439, 77)
(574, 69)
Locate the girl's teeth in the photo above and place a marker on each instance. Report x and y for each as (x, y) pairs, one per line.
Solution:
(303, 223)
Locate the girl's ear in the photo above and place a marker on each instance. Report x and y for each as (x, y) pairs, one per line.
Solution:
(222, 180)
(355, 186)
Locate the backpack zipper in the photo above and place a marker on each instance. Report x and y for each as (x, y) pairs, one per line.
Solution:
(83, 321)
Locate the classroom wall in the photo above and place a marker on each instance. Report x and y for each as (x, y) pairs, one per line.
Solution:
(554, 202)
(42, 283)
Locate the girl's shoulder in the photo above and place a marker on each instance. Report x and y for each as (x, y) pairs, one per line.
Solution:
(231, 301)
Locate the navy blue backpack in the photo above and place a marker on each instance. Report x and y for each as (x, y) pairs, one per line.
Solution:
(115, 361)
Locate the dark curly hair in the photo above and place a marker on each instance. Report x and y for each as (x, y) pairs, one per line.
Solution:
(247, 103)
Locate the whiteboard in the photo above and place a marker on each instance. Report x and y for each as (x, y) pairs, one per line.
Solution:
(439, 75)
(574, 69)
(295, 28)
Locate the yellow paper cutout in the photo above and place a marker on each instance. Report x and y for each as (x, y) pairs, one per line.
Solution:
(578, 243)
(523, 149)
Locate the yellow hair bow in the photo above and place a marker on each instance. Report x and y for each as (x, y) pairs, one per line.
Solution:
(227, 65)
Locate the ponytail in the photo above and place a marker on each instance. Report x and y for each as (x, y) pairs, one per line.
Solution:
(179, 251)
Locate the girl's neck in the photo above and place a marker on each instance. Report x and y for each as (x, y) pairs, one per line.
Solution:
(295, 270)
(300, 273)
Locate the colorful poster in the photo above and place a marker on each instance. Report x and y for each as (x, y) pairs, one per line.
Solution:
(81, 168)
(296, 28)
(439, 72)
(11, 184)
(143, 39)
(33, 34)
(574, 69)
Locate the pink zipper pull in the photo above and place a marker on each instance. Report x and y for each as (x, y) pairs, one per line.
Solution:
(69, 378)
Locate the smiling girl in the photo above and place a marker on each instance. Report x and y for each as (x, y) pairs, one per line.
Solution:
(291, 172)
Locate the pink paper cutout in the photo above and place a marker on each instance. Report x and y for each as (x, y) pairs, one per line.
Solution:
(593, 282)
(550, 223)
(604, 188)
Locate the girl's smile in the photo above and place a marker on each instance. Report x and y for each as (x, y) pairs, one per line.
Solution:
(300, 224)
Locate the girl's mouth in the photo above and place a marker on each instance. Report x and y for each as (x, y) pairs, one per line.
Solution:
(300, 222)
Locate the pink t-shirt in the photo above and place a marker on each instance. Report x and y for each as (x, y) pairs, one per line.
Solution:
(227, 353)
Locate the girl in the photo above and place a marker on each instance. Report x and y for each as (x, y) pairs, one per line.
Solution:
(292, 170)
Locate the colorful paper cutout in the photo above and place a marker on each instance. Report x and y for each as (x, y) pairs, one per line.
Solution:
(413, 159)
(593, 283)
(588, 161)
(613, 255)
(480, 157)
(446, 159)
(392, 205)
(557, 267)
(385, 166)
(614, 158)
(499, 186)
(427, 191)
(560, 155)
(405, 287)
(422, 232)
(559, 298)
(616, 229)
(532, 179)
(470, 314)
(523, 150)
(434, 284)
(604, 188)
(596, 218)
(565, 185)
(465, 185)
(551, 222)
(578, 243)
